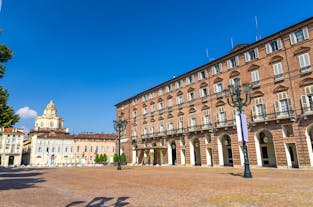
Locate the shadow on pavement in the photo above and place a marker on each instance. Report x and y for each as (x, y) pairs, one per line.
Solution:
(234, 174)
(101, 201)
(14, 178)
(9, 184)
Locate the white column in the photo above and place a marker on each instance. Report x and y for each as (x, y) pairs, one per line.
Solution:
(258, 151)
(134, 156)
(192, 154)
(208, 157)
(289, 163)
(183, 158)
(169, 154)
(220, 152)
(309, 143)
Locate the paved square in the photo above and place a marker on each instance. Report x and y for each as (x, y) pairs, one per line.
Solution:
(154, 186)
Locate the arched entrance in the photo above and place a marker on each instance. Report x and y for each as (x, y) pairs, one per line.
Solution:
(196, 145)
(226, 150)
(11, 160)
(173, 146)
(309, 141)
(266, 152)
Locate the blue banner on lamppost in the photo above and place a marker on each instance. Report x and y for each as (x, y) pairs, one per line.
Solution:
(244, 129)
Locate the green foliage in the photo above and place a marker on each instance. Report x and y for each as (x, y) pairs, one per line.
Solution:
(105, 158)
(97, 159)
(123, 157)
(7, 116)
(115, 158)
(5, 54)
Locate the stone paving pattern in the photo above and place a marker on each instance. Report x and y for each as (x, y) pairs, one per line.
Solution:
(154, 186)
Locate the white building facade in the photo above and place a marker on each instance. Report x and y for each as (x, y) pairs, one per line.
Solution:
(49, 143)
(11, 142)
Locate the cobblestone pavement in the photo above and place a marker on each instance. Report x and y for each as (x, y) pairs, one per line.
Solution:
(154, 186)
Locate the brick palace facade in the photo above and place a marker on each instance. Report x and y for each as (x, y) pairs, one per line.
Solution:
(187, 120)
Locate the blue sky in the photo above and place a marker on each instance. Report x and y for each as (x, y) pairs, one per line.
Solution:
(87, 56)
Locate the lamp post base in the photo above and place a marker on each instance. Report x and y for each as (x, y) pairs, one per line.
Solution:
(119, 166)
(247, 173)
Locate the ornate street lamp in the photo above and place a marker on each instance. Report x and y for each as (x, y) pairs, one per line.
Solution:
(233, 95)
(119, 126)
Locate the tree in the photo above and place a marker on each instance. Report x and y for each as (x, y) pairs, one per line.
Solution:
(7, 116)
(115, 158)
(105, 158)
(97, 159)
(123, 157)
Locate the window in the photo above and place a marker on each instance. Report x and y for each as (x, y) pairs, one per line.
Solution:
(151, 130)
(273, 46)
(204, 92)
(144, 111)
(206, 120)
(191, 96)
(202, 75)
(180, 99)
(251, 55)
(180, 123)
(134, 101)
(171, 127)
(255, 78)
(304, 61)
(278, 71)
(168, 88)
(144, 131)
(77, 149)
(143, 98)
(287, 130)
(283, 105)
(216, 69)
(193, 123)
(169, 103)
(151, 95)
(86, 148)
(152, 107)
(179, 84)
(232, 62)
(258, 110)
(134, 115)
(160, 92)
(221, 116)
(160, 106)
(235, 81)
(218, 89)
(190, 79)
(299, 36)
(307, 100)
(161, 127)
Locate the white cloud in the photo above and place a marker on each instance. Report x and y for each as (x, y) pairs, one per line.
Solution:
(26, 113)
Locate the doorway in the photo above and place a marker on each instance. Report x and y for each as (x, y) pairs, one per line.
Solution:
(196, 144)
(11, 160)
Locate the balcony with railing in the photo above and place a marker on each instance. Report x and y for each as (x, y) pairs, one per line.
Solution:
(191, 102)
(180, 106)
(278, 77)
(259, 117)
(169, 108)
(206, 126)
(284, 114)
(161, 111)
(307, 110)
(255, 84)
(306, 70)
(204, 98)
(224, 123)
(219, 95)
